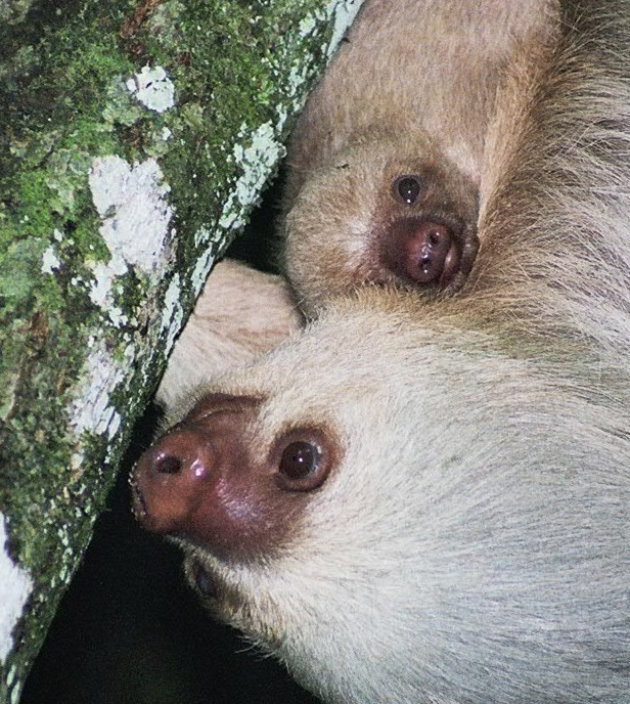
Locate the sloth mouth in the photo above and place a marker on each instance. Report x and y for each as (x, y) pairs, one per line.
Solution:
(469, 246)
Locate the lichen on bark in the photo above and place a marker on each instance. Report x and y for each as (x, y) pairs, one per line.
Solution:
(136, 136)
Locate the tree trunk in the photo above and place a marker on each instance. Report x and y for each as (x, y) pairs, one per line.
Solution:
(136, 137)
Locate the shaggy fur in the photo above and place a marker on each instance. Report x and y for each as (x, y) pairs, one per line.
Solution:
(412, 91)
(471, 543)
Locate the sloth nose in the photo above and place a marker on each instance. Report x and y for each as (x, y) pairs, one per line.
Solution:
(429, 253)
(167, 480)
(423, 253)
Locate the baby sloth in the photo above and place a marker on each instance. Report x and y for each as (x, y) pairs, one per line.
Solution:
(387, 167)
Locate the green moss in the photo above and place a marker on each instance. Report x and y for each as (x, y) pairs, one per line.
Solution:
(14, 11)
(18, 259)
(223, 54)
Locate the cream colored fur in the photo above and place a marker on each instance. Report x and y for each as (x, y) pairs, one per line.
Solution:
(240, 313)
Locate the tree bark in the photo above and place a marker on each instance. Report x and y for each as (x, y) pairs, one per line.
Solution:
(136, 137)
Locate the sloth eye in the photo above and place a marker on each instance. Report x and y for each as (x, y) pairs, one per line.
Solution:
(407, 189)
(299, 460)
(302, 458)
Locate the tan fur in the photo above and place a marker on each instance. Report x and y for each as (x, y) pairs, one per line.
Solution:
(240, 313)
(469, 543)
(413, 90)
(415, 83)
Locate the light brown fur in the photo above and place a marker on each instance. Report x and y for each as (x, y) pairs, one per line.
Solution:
(412, 91)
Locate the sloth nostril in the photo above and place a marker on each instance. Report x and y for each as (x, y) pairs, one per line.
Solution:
(434, 238)
(168, 464)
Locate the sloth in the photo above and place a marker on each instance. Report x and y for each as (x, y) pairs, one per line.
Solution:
(426, 501)
(383, 213)
(386, 165)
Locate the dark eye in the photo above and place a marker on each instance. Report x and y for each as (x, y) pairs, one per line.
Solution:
(303, 459)
(299, 460)
(407, 189)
